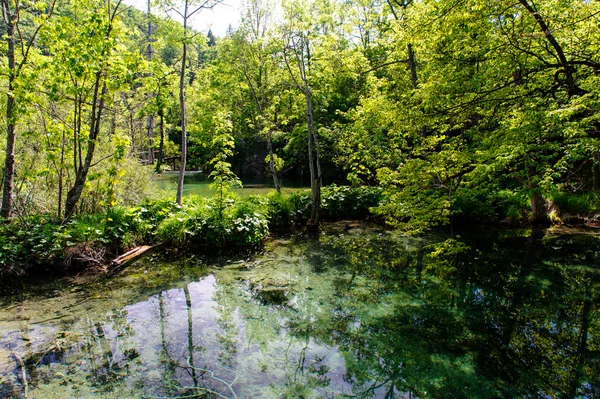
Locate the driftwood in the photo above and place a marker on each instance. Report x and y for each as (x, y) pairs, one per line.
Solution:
(21, 365)
(129, 256)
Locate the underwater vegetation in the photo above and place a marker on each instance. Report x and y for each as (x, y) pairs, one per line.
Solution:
(357, 312)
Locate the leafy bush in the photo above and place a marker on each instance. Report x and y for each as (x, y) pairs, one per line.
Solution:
(206, 223)
(576, 204)
(37, 240)
(214, 223)
(300, 203)
(279, 211)
(343, 202)
(469, 205)
(337, 202)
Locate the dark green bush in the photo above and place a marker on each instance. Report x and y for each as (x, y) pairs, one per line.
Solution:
(337, 202)
(204, 223)
(343, 202)
(469, 205)
(580, 204)
(300, 203)
(279, 211)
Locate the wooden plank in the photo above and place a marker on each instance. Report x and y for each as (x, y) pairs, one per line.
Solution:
(131, 255)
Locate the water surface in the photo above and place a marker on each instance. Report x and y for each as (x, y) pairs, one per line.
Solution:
(199, 184)
(357, 313)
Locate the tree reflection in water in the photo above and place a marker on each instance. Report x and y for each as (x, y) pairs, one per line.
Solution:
(368, 315)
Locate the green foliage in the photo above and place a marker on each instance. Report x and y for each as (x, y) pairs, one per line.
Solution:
(446, 256)
(202, 223)
(344, 202)
(487, 206)
(280, 211)
(337, 202)
(223, 177)
(581, 204)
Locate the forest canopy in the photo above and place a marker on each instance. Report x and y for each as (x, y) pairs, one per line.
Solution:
(480, 109)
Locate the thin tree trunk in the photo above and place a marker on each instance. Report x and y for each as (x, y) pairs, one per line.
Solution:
(9, 162)
(596, 169)
(413, 66)
(97, 105)
(272, 163)
(159, 160)
(149, 55)
(11, 20)
(269, 142)
(315, 178)
(60, 176)
(180, 181)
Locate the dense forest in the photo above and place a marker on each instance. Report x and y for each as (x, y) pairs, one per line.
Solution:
(419, 216)
(420, 113)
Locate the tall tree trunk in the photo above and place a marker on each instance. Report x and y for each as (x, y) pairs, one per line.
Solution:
(596, 168)
(9, 162)
(11, 19)
(159, 160)
(74, 193)
(413, 66)
(179, 198)
(149, 55)
(314, 163)
(539, 208)
(272, 163)
(60, 176)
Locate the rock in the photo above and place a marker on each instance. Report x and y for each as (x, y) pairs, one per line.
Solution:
(270, 290)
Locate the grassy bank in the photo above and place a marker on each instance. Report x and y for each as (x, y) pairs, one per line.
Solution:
(39, 243)
(228, 223)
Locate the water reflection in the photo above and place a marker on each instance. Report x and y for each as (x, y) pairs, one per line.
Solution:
(366, 314)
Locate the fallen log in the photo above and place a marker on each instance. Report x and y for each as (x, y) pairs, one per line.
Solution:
(130, 256)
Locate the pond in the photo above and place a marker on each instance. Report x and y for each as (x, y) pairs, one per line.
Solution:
(357, 313)
(197, 183)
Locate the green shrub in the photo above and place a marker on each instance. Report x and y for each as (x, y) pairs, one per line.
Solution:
(207, 224)
(300, 202)
(576, 203)
(484, 206)
(343, 202)
(279, 211)
(337, 202)
(37, 239)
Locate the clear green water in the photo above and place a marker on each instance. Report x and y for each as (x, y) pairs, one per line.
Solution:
(354, 314)
(199, 184)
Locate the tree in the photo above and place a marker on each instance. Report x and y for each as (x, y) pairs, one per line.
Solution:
(297, 45)
(93, 37)
(13, 15)
(259, 67)
(185, 11)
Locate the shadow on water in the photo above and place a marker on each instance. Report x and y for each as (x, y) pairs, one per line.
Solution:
(358, 313)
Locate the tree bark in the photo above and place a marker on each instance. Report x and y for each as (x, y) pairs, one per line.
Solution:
(272, 163)
(149, 54)
(596, 175)
(413, 66)
(75, 192)
(159, 160)
(539, 208)
(315, 178)
(180, 181)
(9, 162)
